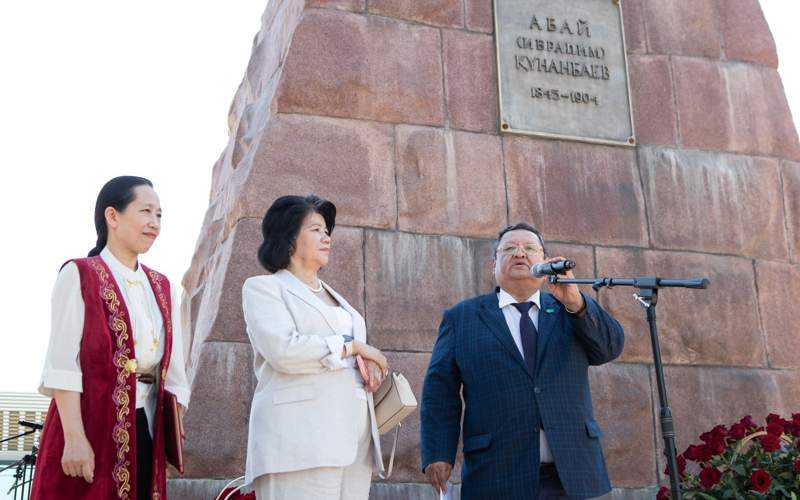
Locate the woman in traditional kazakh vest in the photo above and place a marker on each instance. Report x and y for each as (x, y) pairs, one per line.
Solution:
(115, 347)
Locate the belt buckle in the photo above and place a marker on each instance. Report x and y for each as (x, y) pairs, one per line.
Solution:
(130, 365)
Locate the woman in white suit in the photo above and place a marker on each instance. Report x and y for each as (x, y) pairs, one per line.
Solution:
(312, 431)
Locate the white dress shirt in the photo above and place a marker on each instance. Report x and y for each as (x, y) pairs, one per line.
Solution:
(512, 316)
(62, 368)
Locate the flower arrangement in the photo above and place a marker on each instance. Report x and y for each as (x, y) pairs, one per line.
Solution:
(742, 462)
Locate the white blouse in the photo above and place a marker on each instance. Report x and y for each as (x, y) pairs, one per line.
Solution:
(62, 369)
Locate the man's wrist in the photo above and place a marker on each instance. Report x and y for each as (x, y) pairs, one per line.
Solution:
(577, 310)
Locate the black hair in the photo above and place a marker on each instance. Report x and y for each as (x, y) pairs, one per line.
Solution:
(117, 193)
(521, 226)
(282, 223)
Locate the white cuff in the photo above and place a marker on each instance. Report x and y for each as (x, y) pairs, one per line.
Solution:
(182, 393)
(334, 361)
(61, 380)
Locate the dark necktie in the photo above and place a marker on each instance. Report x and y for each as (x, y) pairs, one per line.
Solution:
(528, 334)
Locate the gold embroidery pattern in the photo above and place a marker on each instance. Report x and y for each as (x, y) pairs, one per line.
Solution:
(155, 279)
(120, 396)
(162, 299)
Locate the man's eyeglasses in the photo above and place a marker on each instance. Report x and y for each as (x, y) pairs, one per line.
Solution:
(514, 249)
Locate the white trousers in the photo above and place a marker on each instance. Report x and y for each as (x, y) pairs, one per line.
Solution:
(324, 483)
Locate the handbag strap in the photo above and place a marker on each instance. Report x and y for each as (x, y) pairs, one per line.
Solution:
(391, 457)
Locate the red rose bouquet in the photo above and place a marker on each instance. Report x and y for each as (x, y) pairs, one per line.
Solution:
(742, 462)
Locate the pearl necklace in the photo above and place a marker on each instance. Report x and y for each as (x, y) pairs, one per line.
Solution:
(318, 289)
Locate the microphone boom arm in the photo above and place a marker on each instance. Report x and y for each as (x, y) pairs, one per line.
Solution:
(647, 296)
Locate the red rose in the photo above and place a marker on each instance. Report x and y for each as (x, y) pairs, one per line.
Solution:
(775, 429)
(663, 493)
(738, 431)
(770, 443)
(773, 418)
(796, 419)
(719, 432)
(748, 422)
(709, 476)
(691, 452)
(703, 453)
(760, 480)
(681, 466)
(795, 429)
(796, 465)
(717, 446)
(706, 437)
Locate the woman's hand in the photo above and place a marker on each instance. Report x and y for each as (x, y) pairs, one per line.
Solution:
(370, 353)
(78, 458)
(375, 376)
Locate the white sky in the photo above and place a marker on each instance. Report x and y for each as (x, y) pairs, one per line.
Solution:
(93, 89)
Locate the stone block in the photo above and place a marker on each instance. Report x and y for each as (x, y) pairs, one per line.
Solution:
(717, 326)
(653, 100)
(407, 466)
(345, 270)
(702, 397)
(216, 422)
(633, 18)
(348, 162)
(449, 182)
(704, 114)
(479, 15)
(746, 33)
(446, 13)
(739, 108)
(712, 202)
(471, 79)
(209, 240)
(778, 289)
(762, 122)
(340, 65)
(219, 313)
(583, 257)
(683, 27)
(576, 192)
(791, 200)
(351, 5)
(193, 489)
(622, 400)
(408, 491)
(412, 279)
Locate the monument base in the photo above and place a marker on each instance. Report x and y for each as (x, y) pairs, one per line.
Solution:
(195, 489)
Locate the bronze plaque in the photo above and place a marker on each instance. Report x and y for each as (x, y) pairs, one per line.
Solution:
(562, 70)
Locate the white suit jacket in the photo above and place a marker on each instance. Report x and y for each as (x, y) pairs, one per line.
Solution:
(303, 414)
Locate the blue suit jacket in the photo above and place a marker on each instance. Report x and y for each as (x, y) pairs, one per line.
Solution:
(505, 407)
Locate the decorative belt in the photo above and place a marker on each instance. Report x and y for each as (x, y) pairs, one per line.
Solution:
(146, 378)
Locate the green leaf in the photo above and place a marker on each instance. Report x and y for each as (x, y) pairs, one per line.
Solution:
(738, 469)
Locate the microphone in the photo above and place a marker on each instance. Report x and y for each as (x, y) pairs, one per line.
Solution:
(31, 425)
(552, 268)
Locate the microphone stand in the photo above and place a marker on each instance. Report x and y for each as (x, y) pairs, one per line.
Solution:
(647, 296)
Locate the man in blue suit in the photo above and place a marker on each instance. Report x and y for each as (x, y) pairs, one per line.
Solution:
(519, 358)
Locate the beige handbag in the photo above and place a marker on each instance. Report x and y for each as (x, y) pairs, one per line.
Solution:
(394, 401)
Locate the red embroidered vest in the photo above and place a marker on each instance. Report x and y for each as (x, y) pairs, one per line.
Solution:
(108, 401)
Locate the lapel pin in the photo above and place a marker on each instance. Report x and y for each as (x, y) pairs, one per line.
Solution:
(549, 310)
